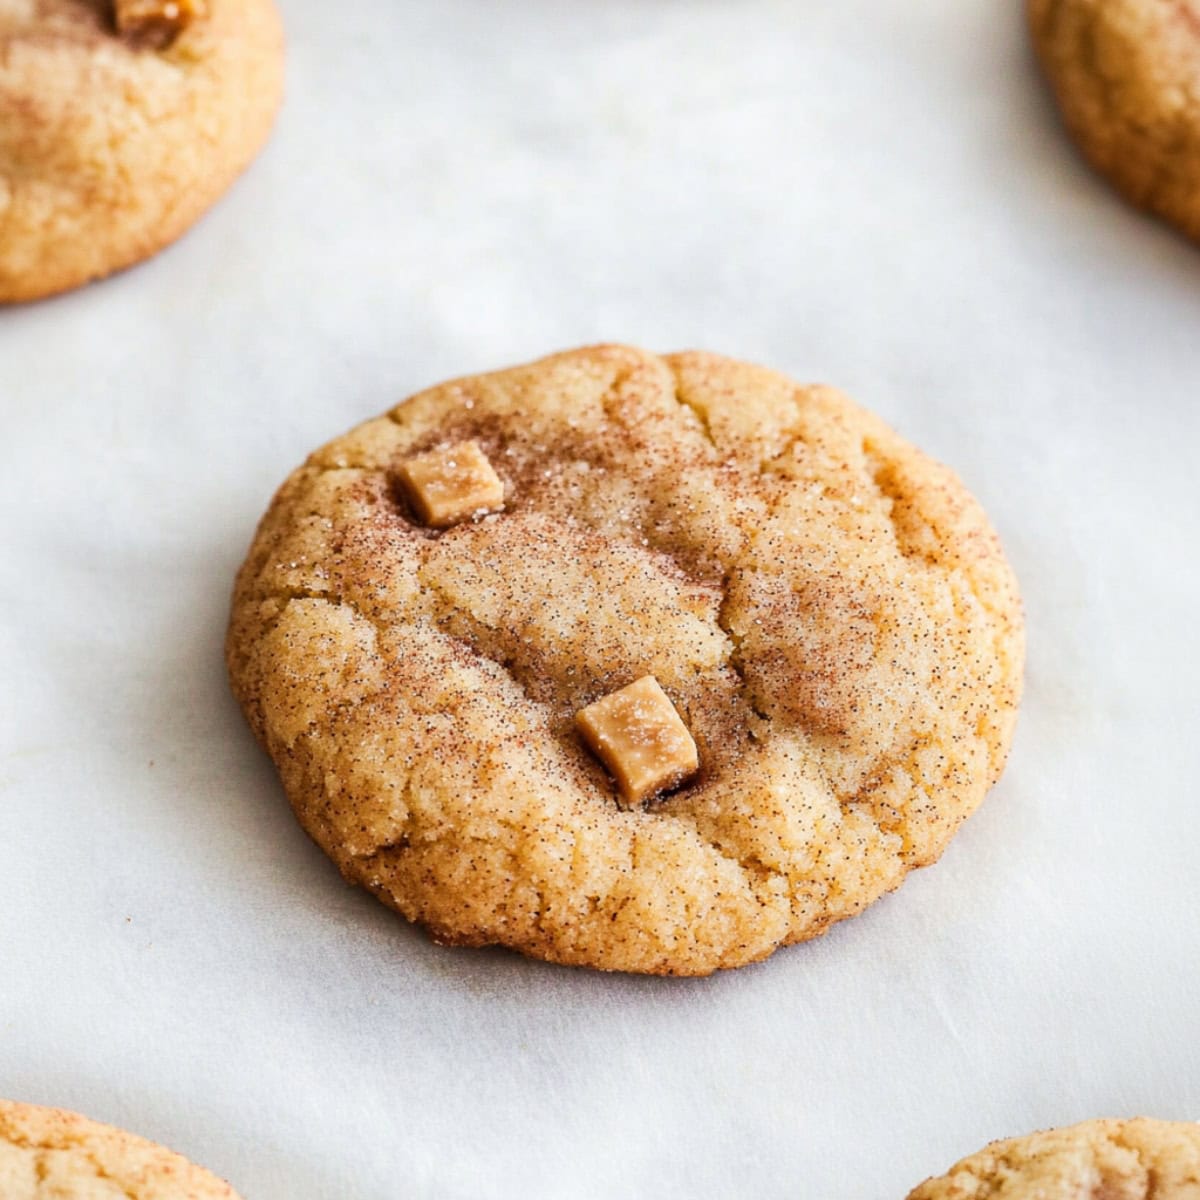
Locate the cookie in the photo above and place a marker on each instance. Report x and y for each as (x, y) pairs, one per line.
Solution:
(121, 125)
(1101, 1160)
(49, 1154)
(804, 633)
(1127, 77)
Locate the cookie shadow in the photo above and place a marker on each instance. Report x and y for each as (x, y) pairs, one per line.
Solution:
(216, 790)
(212, 779)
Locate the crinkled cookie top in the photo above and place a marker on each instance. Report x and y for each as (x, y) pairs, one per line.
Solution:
(827, 609)
(49, 1154)
(1097, 1160)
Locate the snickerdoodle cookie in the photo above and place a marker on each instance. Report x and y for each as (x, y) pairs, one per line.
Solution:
(49, 1154)
(640, 663)
(120, 124)
(1097, 1160)
(1127, 77)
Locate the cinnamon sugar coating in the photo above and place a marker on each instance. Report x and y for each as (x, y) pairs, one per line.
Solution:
(828, 609)
(1096, 1160)
(49, 1154)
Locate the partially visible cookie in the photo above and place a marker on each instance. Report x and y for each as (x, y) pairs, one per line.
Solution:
(1097, 1160)
(50, 1154)
(633, 662)
(1127, 77)
(120, 125)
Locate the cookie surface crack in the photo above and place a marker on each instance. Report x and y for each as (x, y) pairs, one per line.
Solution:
(701, 418)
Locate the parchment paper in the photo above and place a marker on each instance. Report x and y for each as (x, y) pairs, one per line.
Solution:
(873, 193)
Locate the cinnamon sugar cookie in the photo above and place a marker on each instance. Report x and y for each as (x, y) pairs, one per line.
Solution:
(1127, 77)
(120, 124)
(639, 663)
(49, 1154)
(1100, 1160)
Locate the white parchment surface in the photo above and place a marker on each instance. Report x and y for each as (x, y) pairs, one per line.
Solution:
(872, 193)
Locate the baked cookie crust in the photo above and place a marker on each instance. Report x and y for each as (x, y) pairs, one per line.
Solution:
(828, 610)
(50, 1154)
(112, 145)
(1126, 74)
(1139, 1159)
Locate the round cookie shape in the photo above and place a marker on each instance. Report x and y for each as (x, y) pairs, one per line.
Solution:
(1126, 74)
(113, 144)
(1140, 1159)
(50, 1154)
(826, 610)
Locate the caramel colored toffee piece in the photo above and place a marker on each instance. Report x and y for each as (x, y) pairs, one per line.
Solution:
(157, 21)
(639, 737)
(436, 628)
(451, 485)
